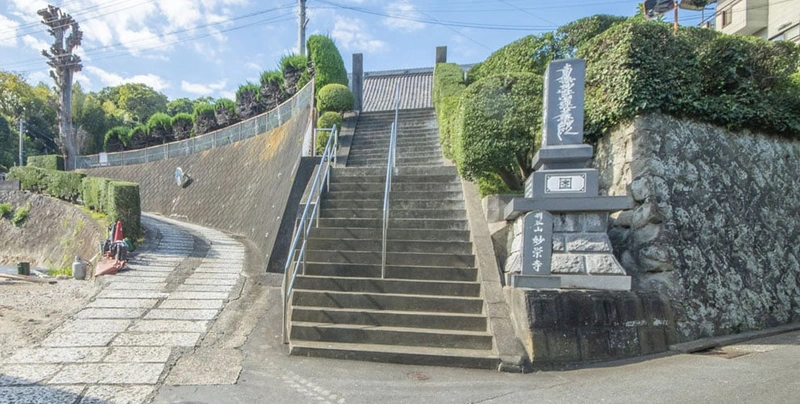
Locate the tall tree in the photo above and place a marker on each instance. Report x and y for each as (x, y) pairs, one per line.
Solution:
(64, 64)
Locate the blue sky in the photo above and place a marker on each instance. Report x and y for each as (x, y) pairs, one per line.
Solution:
(193, 48)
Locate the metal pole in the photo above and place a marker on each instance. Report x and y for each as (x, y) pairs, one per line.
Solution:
(21, 122)
(675, 25)
(301, 29)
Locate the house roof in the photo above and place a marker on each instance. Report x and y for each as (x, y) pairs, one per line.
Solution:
(416, 89)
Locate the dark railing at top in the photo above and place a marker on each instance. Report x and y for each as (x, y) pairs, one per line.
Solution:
(390, 168)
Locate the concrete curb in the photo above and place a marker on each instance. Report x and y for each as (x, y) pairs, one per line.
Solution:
(714, 342)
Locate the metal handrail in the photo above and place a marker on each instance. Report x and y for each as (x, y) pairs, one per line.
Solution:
(307, 219)
(390, 168)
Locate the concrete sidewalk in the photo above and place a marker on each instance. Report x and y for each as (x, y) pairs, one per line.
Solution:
(122, 345)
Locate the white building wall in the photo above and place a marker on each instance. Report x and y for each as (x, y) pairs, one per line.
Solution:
(784, 19)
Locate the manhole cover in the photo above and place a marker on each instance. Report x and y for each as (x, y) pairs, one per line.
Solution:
(419, 376)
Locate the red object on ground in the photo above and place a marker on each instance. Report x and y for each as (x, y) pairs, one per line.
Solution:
(108, 266)
(118, 232)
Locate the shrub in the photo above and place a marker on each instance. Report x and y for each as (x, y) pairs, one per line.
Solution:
(123, 205)
(204, 119)
(271, 77)
(59, 184)
(335, 97)
(20, 215)
(330, 118)
(225, 112)
(327, 61)
(159, 126)
(572, 36)
(139, 137)
(182, 126)
(530, 54)
(5, 209)
(295, 72)
(248, 100)
(50, 162)
(733, 81)
(94, 192)
(448, 84)
(117, 138)
(500, 128)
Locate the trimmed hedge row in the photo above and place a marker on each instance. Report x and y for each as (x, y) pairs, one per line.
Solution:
(448, 84)
(327, 61)
(118, 199)
(49, 162)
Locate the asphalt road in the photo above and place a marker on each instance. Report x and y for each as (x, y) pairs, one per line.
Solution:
(760, 371)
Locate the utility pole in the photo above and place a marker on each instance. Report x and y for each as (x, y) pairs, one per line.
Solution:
(301, 27)
(21, 122)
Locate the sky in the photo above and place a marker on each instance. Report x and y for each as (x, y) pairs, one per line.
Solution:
(197, 48)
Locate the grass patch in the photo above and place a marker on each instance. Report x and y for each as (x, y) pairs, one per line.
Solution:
(6, 209)
(20, 215)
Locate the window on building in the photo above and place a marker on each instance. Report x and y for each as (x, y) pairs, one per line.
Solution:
(726, 17)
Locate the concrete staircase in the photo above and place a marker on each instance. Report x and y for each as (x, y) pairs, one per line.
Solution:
(429, 309)
(417, 139)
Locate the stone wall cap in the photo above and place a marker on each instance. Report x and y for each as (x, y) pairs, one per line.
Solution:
(519, 206)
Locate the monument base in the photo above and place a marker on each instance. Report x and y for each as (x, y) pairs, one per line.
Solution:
(534, 281)
(603, 282)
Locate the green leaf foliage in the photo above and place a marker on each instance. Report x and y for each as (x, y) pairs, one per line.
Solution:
(20, 215)
(448, 84)
(182, 126)
(330, 118)
(94, 191)
(180, 106)
(247, 89)
(293, 61)
(49, 162)
(117, 134)
(572, 36)
(530, 54)
(204, 118)
(5, 210)
(226, 104)
(159, 122)
(272, 77)
(499, 128)
(64, 185)
(327, 61)
(335, 97)
(732, 81)
(124, 206)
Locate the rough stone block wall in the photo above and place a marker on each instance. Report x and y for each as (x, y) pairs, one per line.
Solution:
(241, 188)
(716, 225)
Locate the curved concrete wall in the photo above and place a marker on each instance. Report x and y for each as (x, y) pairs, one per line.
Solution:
(242, 188)
(716, 226)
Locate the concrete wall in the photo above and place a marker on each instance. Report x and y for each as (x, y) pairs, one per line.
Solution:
(242, 188)
(716, 224)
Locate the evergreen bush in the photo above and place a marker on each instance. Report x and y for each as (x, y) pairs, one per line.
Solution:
(50, 162)
(330, 118)
(335, 97)
(448, 84)
(123, 205)
(159, 126)
(327, 61)
(204, 119)
(64, 185)
(182, 124)
(117, 138)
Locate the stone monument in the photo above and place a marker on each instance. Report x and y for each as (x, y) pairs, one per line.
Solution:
(560, 238)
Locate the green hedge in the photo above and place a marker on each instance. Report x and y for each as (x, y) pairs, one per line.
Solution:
(739, 82)
(328, 63)
(49, 162)
(94, 191)
(330, 118)
(448, 84)
(499, 130)
(124, 205)
(335, 97)
(296, 62)
(272, 77)
(64, 185)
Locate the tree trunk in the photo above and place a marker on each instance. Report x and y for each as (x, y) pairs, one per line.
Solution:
(65, 121)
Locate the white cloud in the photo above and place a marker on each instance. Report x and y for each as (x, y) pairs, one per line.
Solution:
(8, 31)
(349, 34)
(253, 66)
(181, 13)
(41, 76)
(404, 16)
(228, 94)
(84, 80)
(203, 89)
(26, 9)
(35, 44)
(113, 79)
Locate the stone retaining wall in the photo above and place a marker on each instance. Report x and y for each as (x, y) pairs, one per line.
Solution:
(716, 227)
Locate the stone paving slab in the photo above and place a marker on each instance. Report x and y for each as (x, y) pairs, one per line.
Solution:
(111, 313)
(155, 286)
(19, 375)
(131, 294)
(123, 303)
(138, 354)
(109, 373)
(149, 268)
(191, 304)
(198, 295)
(170, 325)
(40, 394)
(213, 276)
(158, 339)
(130, 278)
(92, 326)
(191, 281)
(57, 355)
(181, 314)
(220, 270)
(116, 394)
(142, 274)
(204, 288)
(56, 340)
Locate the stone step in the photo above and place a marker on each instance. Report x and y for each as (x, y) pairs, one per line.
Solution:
(395, 195)
(394, 213)
(390, 336)
(393, 203)
(387, 318)
(391, 234)
(418, 356)
(410, 152)
(382, 301)
(403, 172)
(432, 273)
(379, 175)
(376, 245)
(406, 146)
(420, 162)
(392, 258)
(397, 186)
(391, 286)
(421, 224)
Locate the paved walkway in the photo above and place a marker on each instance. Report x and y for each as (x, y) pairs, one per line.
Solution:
(121, 346)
